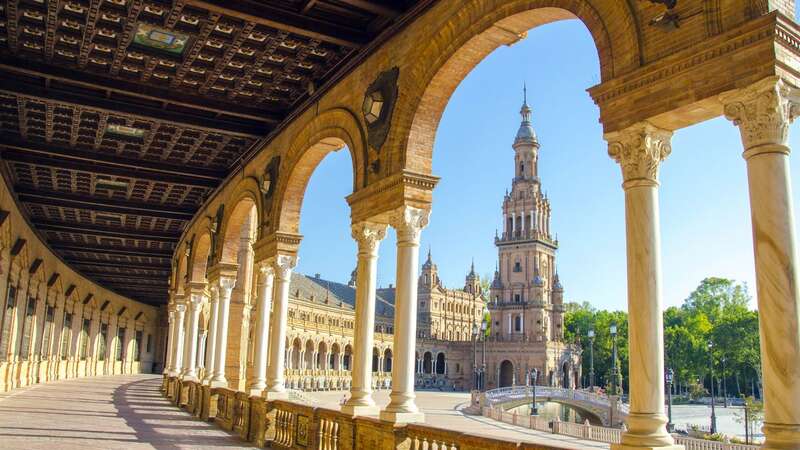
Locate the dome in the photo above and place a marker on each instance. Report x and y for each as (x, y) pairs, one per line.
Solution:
(525, 134)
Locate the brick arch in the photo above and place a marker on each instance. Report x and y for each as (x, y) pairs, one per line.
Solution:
(471, 34)
(329, 131)
(200, 253)
(245, 206)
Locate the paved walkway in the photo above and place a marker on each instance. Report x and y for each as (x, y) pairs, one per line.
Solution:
(128, 412)
(443, 410)
(119, 412)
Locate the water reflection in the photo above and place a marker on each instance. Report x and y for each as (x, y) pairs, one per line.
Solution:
(551, 410)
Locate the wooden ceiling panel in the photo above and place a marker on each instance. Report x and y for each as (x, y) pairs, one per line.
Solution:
(118, 118)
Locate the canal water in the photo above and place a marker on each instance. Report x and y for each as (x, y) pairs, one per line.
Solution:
(553, 410)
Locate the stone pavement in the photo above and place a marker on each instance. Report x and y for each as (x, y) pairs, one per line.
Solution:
(443, 410)
(115, 412)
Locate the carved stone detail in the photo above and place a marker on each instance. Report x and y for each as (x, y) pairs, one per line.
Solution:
(227, 284)
(409, 222)
(368, 235)
(284, 265)
(639, 149)
(763, 112)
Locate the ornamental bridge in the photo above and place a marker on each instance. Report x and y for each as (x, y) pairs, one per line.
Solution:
(608, 410)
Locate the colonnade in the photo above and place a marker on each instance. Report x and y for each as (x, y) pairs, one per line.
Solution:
(762, 113)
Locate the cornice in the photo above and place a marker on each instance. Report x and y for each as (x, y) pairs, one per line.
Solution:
(772, 27)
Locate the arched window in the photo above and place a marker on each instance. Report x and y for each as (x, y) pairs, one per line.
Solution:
(518, 324)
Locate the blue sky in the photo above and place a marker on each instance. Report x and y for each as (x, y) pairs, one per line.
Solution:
(705, 218)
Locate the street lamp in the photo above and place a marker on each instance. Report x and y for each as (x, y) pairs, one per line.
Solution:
(614, 359)
(724, 385)
(534, 377)
(482, 377)
(711, 371)
(474, 356)
(591, 358)
(670, 375)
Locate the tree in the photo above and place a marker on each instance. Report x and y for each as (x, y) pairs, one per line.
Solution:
(578, 320)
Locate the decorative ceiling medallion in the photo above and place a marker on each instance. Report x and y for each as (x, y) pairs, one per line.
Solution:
(160, 39)
(122, 130)
(378, 105)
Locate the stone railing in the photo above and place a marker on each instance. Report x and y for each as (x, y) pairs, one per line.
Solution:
(597, 433)
(283, 424)
(703, 444)
(599, 405)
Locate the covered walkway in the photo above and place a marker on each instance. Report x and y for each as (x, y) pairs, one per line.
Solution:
(117, 412)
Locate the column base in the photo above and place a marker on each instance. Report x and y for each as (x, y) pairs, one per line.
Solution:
(360, 410)
(255, 392)
(190, 378)
(781, 436)
(218, 383)
(275, 395)
(403, 417)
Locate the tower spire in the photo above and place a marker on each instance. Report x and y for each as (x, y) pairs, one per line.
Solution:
(524, 93)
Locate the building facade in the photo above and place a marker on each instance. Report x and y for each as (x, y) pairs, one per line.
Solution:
(524, 303)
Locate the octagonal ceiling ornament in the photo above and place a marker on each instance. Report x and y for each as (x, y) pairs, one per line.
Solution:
(379, 101)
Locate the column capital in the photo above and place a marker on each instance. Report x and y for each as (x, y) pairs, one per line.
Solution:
(368, 235)
(639, 149)
(227, 283)
(266, 267)
(409, 222)
(283, 265)
(763, 112)
(180, 308)
(196, 300)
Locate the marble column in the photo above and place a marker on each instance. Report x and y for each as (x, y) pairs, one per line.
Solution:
(195, 304)
(226, 285)
(264, 286)
(368, 237)
(169, 366)
(112, 332)
(639, 150)
(177, 349)
(211, 336)
(763, 112)
(408, 222)
(277, 344)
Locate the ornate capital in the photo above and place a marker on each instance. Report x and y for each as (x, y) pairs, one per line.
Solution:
(266, 267)
(639, 149)
(196, 300)
(409, 222)
(226, 284)
(180, 309)
(368, 235)
(284, 265)
(763, 112)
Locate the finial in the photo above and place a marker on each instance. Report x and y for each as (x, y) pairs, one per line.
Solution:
(429, 252)
(524, 93)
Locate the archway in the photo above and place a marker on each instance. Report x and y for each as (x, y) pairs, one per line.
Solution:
(387, 361)
(322, 361)
(348, 356)
(506, 374)
(334, 357)
(441, 364)
(565, 376)
(375, 359)
(297, 347)
(427, 363)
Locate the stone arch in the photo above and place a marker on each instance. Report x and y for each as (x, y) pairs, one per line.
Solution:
(243, 214)
(441, 363)
(387, 360)
(199, 262)
(477, 29)
(506, 374)
(427, 363)
(308, 354)
(348, 357)
(330, 131)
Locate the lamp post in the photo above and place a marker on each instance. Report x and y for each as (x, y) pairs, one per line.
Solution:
(711, 372)
(591, 359)
(669, 375)
(724, 385)
(614, 359)
(474, 356)
(534, 377)
(482, 378)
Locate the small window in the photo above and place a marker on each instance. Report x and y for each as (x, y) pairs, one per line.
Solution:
(517, 267)
(517, 298)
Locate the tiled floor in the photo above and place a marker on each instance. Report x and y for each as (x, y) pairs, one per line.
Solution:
(119, 412)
